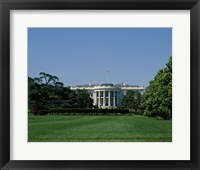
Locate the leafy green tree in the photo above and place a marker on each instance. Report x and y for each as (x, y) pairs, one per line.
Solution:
(132, 100)
(83, 99)
(35, 96)
(45, 92)
(158, 96)
(48, 79)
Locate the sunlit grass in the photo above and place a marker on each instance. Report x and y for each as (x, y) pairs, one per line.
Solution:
(98, 129)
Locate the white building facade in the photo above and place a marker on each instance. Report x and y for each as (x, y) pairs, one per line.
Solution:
(108, 95)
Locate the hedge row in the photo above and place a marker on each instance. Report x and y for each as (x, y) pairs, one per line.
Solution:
(83, 111)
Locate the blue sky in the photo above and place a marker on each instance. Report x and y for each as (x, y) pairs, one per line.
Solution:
(84, 55)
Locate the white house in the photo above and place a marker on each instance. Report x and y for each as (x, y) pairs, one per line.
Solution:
(108, 95)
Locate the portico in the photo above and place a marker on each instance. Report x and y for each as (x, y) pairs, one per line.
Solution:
(106, 98)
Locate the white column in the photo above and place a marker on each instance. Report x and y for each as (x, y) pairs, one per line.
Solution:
(94, 97)
(114, 98)
(117, 98)
(104, 99)
(99, 99)
(108, 98)
(95, 103)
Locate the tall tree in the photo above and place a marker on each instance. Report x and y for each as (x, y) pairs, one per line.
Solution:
(132, 100)
(158, 96)
(45, 92)
(83, 99)
(48, 79)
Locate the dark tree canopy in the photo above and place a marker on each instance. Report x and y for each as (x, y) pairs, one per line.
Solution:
(47, 79)
(46, 92)
(132, 100)
(158, 96)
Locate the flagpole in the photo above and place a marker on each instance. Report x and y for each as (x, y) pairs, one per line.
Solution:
(107, 75)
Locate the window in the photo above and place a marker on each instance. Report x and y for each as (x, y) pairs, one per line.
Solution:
(106, 104)
(101, 102)
(111, 93)
(106, 93)
(111, 101)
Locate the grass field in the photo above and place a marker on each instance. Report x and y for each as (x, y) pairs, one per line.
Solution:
(98, 129)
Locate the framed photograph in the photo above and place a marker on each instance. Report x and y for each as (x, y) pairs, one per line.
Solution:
(99, 84)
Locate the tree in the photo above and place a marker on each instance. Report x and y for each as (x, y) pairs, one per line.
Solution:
(48, 79)
(83, 99)
(132, 100)
(36, 96)
(158, 96)
(45, 92)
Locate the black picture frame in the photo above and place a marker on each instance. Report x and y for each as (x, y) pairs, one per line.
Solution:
(7, 5)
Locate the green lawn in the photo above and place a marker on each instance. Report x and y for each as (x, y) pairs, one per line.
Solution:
(98, 129)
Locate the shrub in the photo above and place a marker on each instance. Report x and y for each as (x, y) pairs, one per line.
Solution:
(82, 111)
(43, 112)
